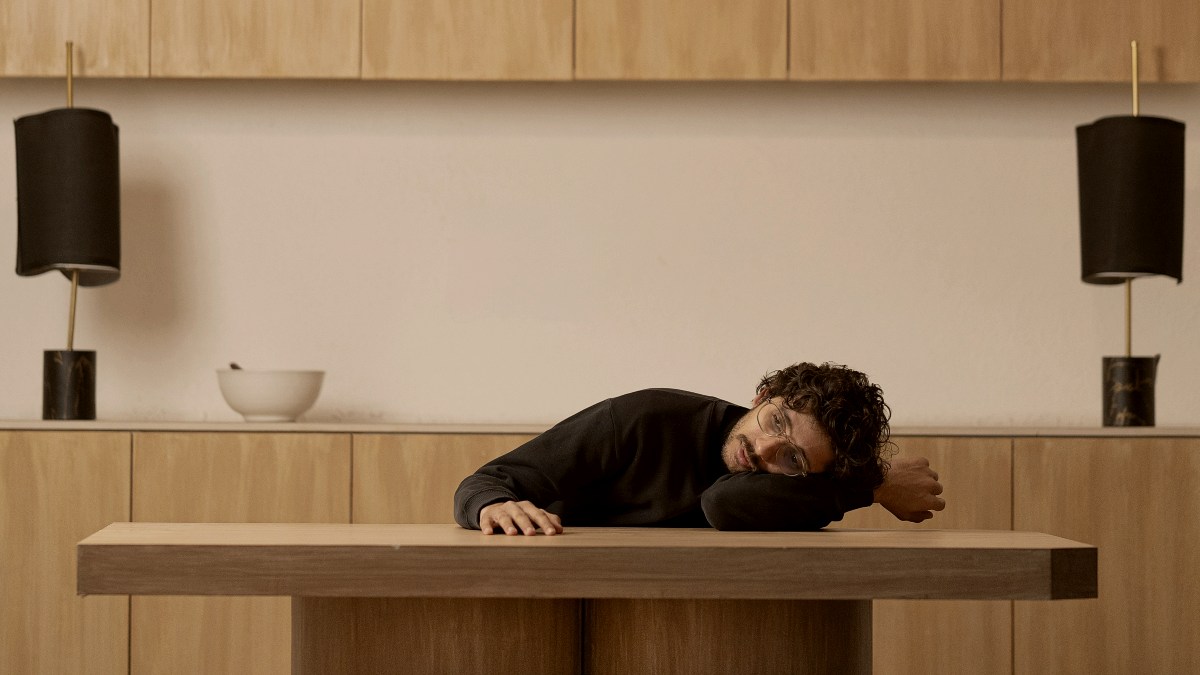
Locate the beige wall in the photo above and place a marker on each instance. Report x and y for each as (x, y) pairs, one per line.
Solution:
(513, 252)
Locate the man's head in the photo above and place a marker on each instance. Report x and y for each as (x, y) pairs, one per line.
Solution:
(830, 416)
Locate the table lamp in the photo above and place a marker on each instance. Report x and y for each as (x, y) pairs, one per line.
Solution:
(1131, 225)
(69, 219)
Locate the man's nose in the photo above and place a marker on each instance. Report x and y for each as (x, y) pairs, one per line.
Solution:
(767, 447)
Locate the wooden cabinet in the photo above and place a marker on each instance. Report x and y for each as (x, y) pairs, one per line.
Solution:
(111, 37)
(255, 38)
(386, 489)
(55, 489)
(949, 636)
(1133, 497)
(681, 39)
(229, 477)
(889, 40)
(468, 39)
(1088, 40)
(1137, 500)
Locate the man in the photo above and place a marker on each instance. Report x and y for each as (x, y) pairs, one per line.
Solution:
(812, 446)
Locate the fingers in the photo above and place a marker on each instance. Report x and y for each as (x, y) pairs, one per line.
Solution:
(518, 518)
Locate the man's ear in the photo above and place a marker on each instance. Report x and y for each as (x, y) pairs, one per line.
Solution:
(759, 398)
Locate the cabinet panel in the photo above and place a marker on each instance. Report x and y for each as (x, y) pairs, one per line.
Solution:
(1137, 500)
(111, 37)
(411, 478)
(948, 636)
(468, 39)
(681, 39)
(255, 38)
(229, 477)
(55, 489)
(888, 40)
(1088, 40)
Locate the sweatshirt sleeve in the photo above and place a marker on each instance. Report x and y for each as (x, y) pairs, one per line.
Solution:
(771, 502)
(579, 449)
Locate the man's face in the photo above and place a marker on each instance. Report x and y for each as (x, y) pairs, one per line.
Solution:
(749, 448)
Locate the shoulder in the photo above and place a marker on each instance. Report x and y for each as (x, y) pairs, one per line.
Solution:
(653, 402)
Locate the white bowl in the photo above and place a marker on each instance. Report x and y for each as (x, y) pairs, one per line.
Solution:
(270, 395)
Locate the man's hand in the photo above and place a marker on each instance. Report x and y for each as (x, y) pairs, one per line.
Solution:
(518, 517)
(910, 490)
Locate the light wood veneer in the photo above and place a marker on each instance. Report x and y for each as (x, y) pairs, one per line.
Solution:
(888, 40)
(681, 40)
(53, 488)
(468, 39)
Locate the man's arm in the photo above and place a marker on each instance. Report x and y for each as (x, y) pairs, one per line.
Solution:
(512, 492)
(773, 502)
(910, 490)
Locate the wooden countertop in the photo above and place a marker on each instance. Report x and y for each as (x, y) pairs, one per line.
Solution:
(531, 429)
(448, 561)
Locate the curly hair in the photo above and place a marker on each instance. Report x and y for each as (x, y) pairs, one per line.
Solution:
(848, 407)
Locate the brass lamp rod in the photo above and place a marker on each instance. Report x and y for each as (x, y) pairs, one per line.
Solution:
(74, 273)
(1133, 47)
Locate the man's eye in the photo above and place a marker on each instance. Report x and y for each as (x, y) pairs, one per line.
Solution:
(777, 420)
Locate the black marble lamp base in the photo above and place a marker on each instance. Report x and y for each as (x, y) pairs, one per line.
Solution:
(69, 385)
(1129, 390)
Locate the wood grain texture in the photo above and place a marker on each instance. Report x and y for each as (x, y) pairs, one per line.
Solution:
(447, 561)
(1088, 40)
(468, 39)
(111, 38)
(1136, 499)
(55, 486)
(888, 40)
(255, 38)
(681, 39)
(665, 637)
(411, 478)
(229, 477)
(370, 636)
(953, 636)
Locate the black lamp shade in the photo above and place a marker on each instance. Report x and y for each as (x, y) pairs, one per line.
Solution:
(68, 195)
(1130, 198)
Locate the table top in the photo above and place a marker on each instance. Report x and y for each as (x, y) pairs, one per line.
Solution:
(448, 561)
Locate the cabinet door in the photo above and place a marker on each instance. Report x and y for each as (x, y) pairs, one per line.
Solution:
(681, 39)
(255, 38)
(1088, 40)
(111, 37)
(889, 40)
(55, 489)
(411, 478)
(1137, 500)
(467, 39)
(222, 478)
(948, 636)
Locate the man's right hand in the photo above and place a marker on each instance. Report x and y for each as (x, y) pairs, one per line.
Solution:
(910, 490)
(517, 518)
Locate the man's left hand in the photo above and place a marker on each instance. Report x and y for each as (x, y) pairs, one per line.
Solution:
(910, 490)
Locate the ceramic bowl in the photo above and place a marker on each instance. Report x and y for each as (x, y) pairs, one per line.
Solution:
(270, 395)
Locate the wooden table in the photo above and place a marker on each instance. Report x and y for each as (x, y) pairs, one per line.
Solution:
(437, 598)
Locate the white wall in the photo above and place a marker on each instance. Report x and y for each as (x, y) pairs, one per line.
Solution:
(514, 252)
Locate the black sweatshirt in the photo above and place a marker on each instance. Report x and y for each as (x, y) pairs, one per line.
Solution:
(652, 458)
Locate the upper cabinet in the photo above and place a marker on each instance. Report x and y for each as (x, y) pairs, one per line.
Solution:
(681, 39)
(1088, 40)
(889, 40)
(255, 38)
(111, 37)
(835, 40)
(467, 39)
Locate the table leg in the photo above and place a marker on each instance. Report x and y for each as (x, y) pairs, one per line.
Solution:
(626, 637)
(434, 635)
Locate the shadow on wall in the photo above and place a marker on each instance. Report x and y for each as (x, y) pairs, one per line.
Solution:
(145, 300)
